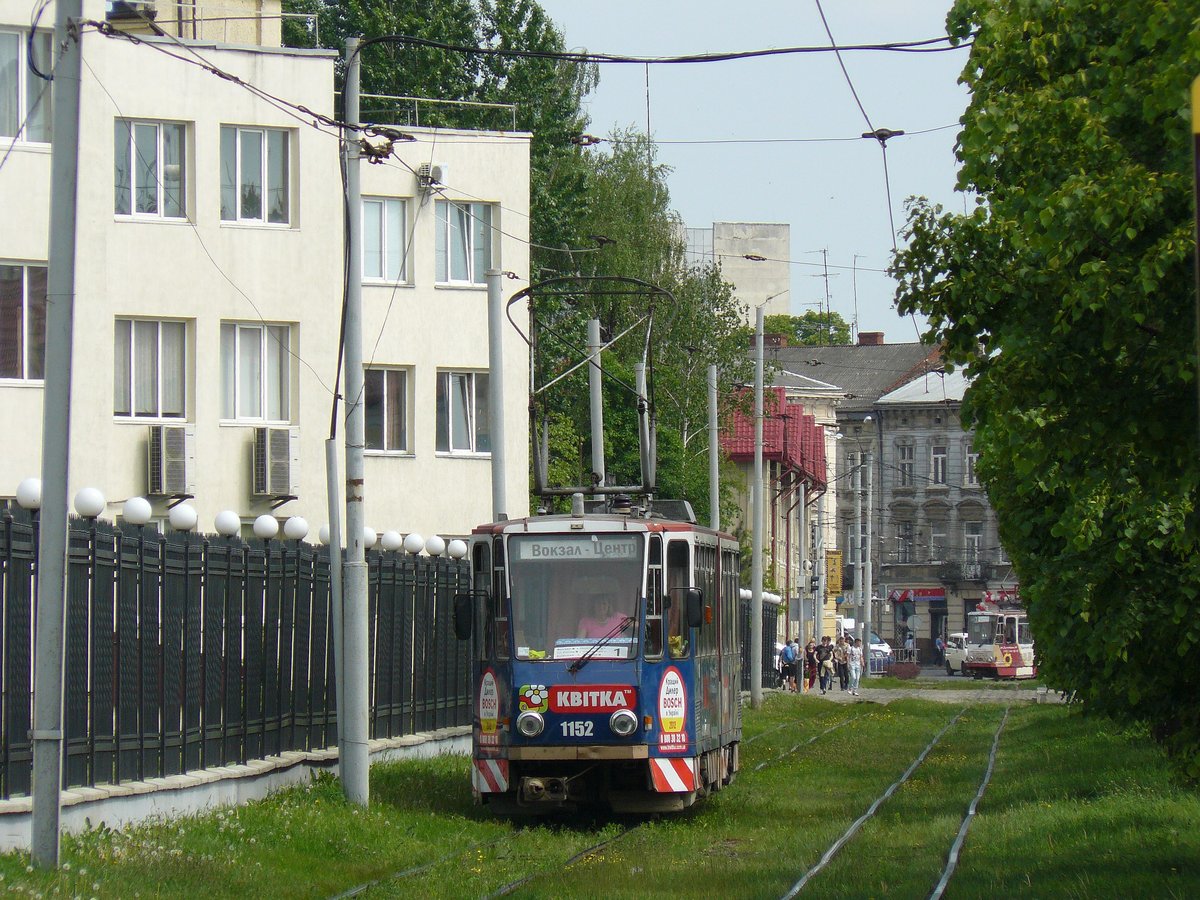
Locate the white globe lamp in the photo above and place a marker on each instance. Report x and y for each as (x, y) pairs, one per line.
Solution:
(182, 517)
(295, 528)
(29, 493)
(456, 549)
(391, 540)
(228, 523)
(414, 543)
(323, 535)
(137, 511)
(89, 502)
(435, 546)
(266, 527)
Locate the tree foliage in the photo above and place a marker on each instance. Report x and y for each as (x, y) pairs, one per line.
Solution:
(635, 234)
(1068, 292)
(812, 329)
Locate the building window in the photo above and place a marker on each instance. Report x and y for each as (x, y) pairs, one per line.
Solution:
(149, 369)
(937, 541)
(22, 322)
(387, 409)
(255, 372)
(385, 237)
(904, 542)
(464, 242)
(25, 98)
(972, 545)
(906, 457)
(254, 175)
(462, 412)
(970, 472)
(938, 458)
(149, 159)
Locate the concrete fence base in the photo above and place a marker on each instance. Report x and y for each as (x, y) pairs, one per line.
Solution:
(133, 802)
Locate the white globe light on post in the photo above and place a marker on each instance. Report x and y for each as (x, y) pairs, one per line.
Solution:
(228, 523)
(391, 540)
(266, 527)
(435, 546)
(182, 517)
(414, 543)
(456, 549)
(323, 535)
(89, 502)
(369, 537)
(29, 493)
(137, 511)
(295, 528)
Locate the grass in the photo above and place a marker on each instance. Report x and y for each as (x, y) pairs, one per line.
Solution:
(957, 683)
(1075, 809)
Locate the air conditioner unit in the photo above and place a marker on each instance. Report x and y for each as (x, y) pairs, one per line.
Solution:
(170, 460)
(276, 470)
(429, 175)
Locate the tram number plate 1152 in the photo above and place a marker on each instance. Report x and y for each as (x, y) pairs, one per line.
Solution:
(576, 728)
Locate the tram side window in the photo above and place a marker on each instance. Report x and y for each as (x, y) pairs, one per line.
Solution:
(1023, 636)
(499, 604)
(706, 570)
(654, 600)
(678, 578)
(1010, 630)
(481, 565)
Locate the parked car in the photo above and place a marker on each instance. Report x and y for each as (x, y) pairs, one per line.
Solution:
(956, 653)
(881, 653)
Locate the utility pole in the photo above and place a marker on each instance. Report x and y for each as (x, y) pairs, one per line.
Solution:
(496, 396)
(756, 516)
(47, 732)
(825, 339)
(870, 575)
(354, 762)
(714, 453)
(819, 600)
(596, 396)
(855, 542)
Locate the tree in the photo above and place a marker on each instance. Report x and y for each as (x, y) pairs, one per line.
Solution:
(1068, 293)
(636, 234)
(812, 329)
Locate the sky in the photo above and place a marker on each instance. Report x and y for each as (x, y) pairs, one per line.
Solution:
(831, 192)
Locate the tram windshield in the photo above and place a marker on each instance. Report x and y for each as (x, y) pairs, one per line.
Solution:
(981, 628)
(571, 591)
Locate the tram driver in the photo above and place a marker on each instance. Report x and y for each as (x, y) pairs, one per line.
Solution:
(600, 615)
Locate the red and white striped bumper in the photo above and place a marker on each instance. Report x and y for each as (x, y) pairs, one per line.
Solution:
(672, 776)
(490, 776)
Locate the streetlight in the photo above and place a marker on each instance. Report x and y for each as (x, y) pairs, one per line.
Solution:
(137, 511)
(89, 503)
(391, 540)
(414, 543)
(295, 528)
(228, 523)
(266, 527)
(435, 546)
(29, 494)
(182, 517)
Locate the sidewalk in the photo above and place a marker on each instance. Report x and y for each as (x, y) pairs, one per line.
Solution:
(966, 694)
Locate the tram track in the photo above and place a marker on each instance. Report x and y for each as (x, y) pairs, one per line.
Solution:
(871, 810)
(517, 884)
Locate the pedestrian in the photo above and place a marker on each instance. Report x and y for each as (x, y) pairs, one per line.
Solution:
(788, 657)
(810, 666)
(839, 662)
(854, 663)
(824, 654)
(939, 647)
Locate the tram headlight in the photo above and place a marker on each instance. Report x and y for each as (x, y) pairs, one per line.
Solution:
(623, 723)
(530, 724)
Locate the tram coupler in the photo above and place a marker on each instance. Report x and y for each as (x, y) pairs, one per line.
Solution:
(543, 790)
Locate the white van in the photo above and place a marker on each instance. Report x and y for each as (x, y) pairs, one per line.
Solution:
(956, 653)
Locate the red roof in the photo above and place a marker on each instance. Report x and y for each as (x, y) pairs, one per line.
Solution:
(790, 436)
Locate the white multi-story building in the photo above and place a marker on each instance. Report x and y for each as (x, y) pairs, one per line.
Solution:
(209, 278)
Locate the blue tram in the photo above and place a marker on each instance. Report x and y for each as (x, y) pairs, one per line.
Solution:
(606, 661)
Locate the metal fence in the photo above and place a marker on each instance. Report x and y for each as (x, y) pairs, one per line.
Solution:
(770, 622)
(188, 651)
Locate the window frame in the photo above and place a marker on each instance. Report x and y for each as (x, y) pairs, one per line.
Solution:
(445, 418)
(132, 370)
(406, 412)
(939, 465)
(29, 334)
(133, 153)
(263, 219)
(387, 245)
(444, 226)
(25, 83)
(267, 330)
(905, 541)
(906, 461)
(971, 466)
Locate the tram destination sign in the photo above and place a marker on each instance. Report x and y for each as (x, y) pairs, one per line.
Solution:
(546, 549)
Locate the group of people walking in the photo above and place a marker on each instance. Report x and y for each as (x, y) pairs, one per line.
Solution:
(802, 667)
